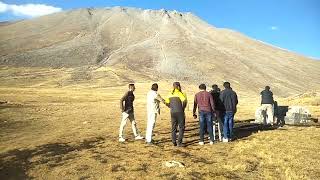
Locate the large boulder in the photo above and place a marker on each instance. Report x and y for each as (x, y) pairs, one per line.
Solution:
(260, 116)
(285, 115)
(297, 115)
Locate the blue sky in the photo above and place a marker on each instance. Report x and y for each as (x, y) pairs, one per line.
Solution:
(289, 24)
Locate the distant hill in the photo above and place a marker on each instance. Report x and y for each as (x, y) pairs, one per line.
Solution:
(158, 43)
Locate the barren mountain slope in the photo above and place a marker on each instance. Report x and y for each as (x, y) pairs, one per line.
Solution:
(165, 44)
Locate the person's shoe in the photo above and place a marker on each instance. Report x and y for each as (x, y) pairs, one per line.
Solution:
(139, 137)
(149, 143)
(121, 139)
(181, 145)
(211, 142)
(201, 143)
(225, 140)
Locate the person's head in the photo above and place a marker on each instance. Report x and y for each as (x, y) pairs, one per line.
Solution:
(226, 85)
(267, 88)
(215, 87)
(202, 87)
(176, 85)
(132, 87)
(154, 87)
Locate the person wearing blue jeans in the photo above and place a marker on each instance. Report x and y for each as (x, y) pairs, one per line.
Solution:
(228, 125)
(229, 99)
(204, 101)
(205, 119)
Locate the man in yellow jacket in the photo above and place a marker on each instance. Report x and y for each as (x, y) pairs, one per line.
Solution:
(177, 102)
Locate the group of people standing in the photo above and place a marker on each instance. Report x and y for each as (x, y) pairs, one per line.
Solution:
(216, 106)
(213, 106)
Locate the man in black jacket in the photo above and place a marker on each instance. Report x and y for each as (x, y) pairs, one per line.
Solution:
(128, 114)
(219, 107)
(230, 100)
(267, 104)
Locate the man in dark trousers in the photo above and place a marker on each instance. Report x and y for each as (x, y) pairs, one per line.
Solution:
(177, 101)
(219, 109)
(229, 99)
(128, 114)
(205, 102)
(267, 104)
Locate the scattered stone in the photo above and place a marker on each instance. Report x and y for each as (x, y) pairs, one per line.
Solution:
(172, 164)
(85, 122)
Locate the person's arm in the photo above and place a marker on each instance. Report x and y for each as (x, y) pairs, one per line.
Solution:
(236, 101)
(236, 96)
(212, 103)
(183, 99)
(159, 98)
(221, 97)
(195, 105)
(185, 102)
(167, 101)
(121, 101)
(272, 97)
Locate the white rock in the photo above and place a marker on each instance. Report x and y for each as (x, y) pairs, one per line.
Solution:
(297, 115)
(171, 164)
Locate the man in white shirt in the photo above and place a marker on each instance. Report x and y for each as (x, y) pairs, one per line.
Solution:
(153, 109)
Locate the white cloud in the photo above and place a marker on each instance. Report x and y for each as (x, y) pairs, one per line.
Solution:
(28, 10)
(3, 7)
(273, 28)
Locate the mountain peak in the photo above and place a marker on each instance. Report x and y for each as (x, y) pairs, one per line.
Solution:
(157, 43)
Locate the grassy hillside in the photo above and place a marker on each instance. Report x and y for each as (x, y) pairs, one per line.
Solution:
(158, 44)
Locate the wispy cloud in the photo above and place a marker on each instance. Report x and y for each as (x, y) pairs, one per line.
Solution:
(273, 28)
(28, 10)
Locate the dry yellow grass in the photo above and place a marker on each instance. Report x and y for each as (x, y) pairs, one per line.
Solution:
(71, 132)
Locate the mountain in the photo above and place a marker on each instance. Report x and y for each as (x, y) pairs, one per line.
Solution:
(156, 44)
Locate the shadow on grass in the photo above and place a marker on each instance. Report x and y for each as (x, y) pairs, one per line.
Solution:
(305, 125)
(244, 129)
(191, 131)
(241, 130)
(15, 164)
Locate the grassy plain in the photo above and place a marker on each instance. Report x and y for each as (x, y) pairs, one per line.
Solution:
(63, 124)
